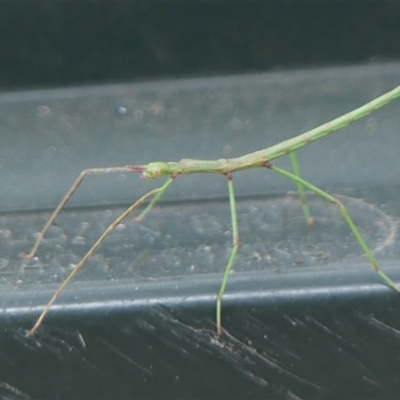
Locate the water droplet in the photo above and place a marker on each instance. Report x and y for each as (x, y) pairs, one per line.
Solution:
(122, 110)
(43, 111)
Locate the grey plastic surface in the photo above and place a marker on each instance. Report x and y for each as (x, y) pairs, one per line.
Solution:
(173, 261)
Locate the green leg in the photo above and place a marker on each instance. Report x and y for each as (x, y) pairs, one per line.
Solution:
(235, 239)
(300, 188)
(157, 197)
(346, 216)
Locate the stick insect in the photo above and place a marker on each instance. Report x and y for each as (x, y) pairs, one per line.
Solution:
(227, 167)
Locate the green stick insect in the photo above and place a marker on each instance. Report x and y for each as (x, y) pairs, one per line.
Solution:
(227, 167)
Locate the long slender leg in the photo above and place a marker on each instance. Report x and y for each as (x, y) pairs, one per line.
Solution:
(154, 201)
(300, 188)
(346, 216)
(235, 240)
(101, 239)
(71, 191)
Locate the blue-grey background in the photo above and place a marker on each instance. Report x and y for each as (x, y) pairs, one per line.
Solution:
(75, 43)
(100, 84)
